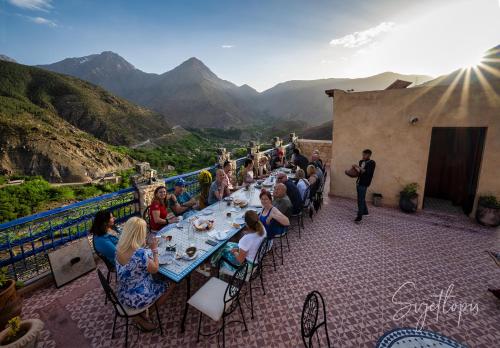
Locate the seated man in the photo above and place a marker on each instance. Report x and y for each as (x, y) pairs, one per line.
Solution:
(299, 160)
(292, 192)
(185, 203)
(281, 200)
(219, 188)
(318, 163)
(316, 160)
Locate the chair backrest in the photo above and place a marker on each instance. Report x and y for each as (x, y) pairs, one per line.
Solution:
(307, 198)
(231, 296)
(110, 294)
(310, 322)
(259, 258)
(111, 266)
(146, 216)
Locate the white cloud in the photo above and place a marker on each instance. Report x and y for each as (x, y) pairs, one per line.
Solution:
(227, 46)
(360, 38)
(42, 21)
(40, 5)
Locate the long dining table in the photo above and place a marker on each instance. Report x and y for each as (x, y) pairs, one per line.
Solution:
(175, 265)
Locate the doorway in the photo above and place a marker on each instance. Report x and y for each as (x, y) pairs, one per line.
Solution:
(453, 168)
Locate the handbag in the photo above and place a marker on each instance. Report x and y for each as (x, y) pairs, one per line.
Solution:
(352, 172)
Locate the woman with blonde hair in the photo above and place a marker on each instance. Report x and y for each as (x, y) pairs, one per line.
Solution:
(311, 175)
(135, 267)
(234, 254)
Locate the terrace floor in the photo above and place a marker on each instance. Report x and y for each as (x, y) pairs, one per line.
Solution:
(357, 268)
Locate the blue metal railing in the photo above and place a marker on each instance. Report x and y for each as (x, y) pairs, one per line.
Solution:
(26, 242)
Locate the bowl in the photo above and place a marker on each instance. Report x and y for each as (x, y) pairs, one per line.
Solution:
(191, 251)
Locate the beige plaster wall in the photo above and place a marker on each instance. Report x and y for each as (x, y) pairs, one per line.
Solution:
(307, 146)
(379, 120)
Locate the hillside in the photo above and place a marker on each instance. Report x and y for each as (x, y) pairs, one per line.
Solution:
(49, 125)
(322, 132)
(87, 107)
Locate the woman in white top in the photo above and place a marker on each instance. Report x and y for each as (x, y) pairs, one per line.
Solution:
(247, 172)
(302, 183)
(234, 255)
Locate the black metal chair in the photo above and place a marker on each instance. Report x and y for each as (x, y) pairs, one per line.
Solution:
(299, 217)
(257, 270)
(310, 319)
(218, 300)
(319, 193)
(147, 218)
(109, 265)
(280, 237)
(123, 311)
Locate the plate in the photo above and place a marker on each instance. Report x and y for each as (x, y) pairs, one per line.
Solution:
(220, 236)
(240, 221)
(207, 212)
(187, 258)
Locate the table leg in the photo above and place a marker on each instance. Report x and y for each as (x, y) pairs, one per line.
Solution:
(183, 322)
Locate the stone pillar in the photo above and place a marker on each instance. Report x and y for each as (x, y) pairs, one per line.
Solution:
(146, 194)
(222, 156)
(252, 148)
(294, 140)
(277, 142)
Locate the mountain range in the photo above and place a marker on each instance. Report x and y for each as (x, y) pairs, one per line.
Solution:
(60, 126)
(192, 95)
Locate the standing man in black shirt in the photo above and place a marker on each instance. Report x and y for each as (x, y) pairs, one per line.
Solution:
(366, 168)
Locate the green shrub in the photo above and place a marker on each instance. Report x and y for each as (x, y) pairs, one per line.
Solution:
(489, 201)
(410, 190)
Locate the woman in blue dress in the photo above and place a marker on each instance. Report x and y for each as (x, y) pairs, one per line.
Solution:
(135, 266)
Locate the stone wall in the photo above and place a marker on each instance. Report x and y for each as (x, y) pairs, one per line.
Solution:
(307, 146)
(146, 194)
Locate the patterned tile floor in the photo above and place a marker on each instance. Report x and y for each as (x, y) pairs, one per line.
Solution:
(358, 269)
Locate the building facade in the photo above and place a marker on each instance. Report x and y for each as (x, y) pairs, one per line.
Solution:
(445, 138)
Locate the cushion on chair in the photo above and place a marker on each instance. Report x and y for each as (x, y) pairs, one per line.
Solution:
(230, 273)
(209, 299)
(130, 311)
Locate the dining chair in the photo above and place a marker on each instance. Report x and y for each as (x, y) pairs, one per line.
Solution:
(217, 300)
(146, 216)
(311, 321)
(299, 217)
(256, 270)
(109, 265)
(122, 310)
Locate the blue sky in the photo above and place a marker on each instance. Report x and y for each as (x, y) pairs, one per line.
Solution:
(260, 43)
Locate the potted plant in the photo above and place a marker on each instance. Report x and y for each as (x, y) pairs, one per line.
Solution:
(205, 180)
(21, 333)
(377, 199)
(488, 211)
(408, 198)
(10, 302)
